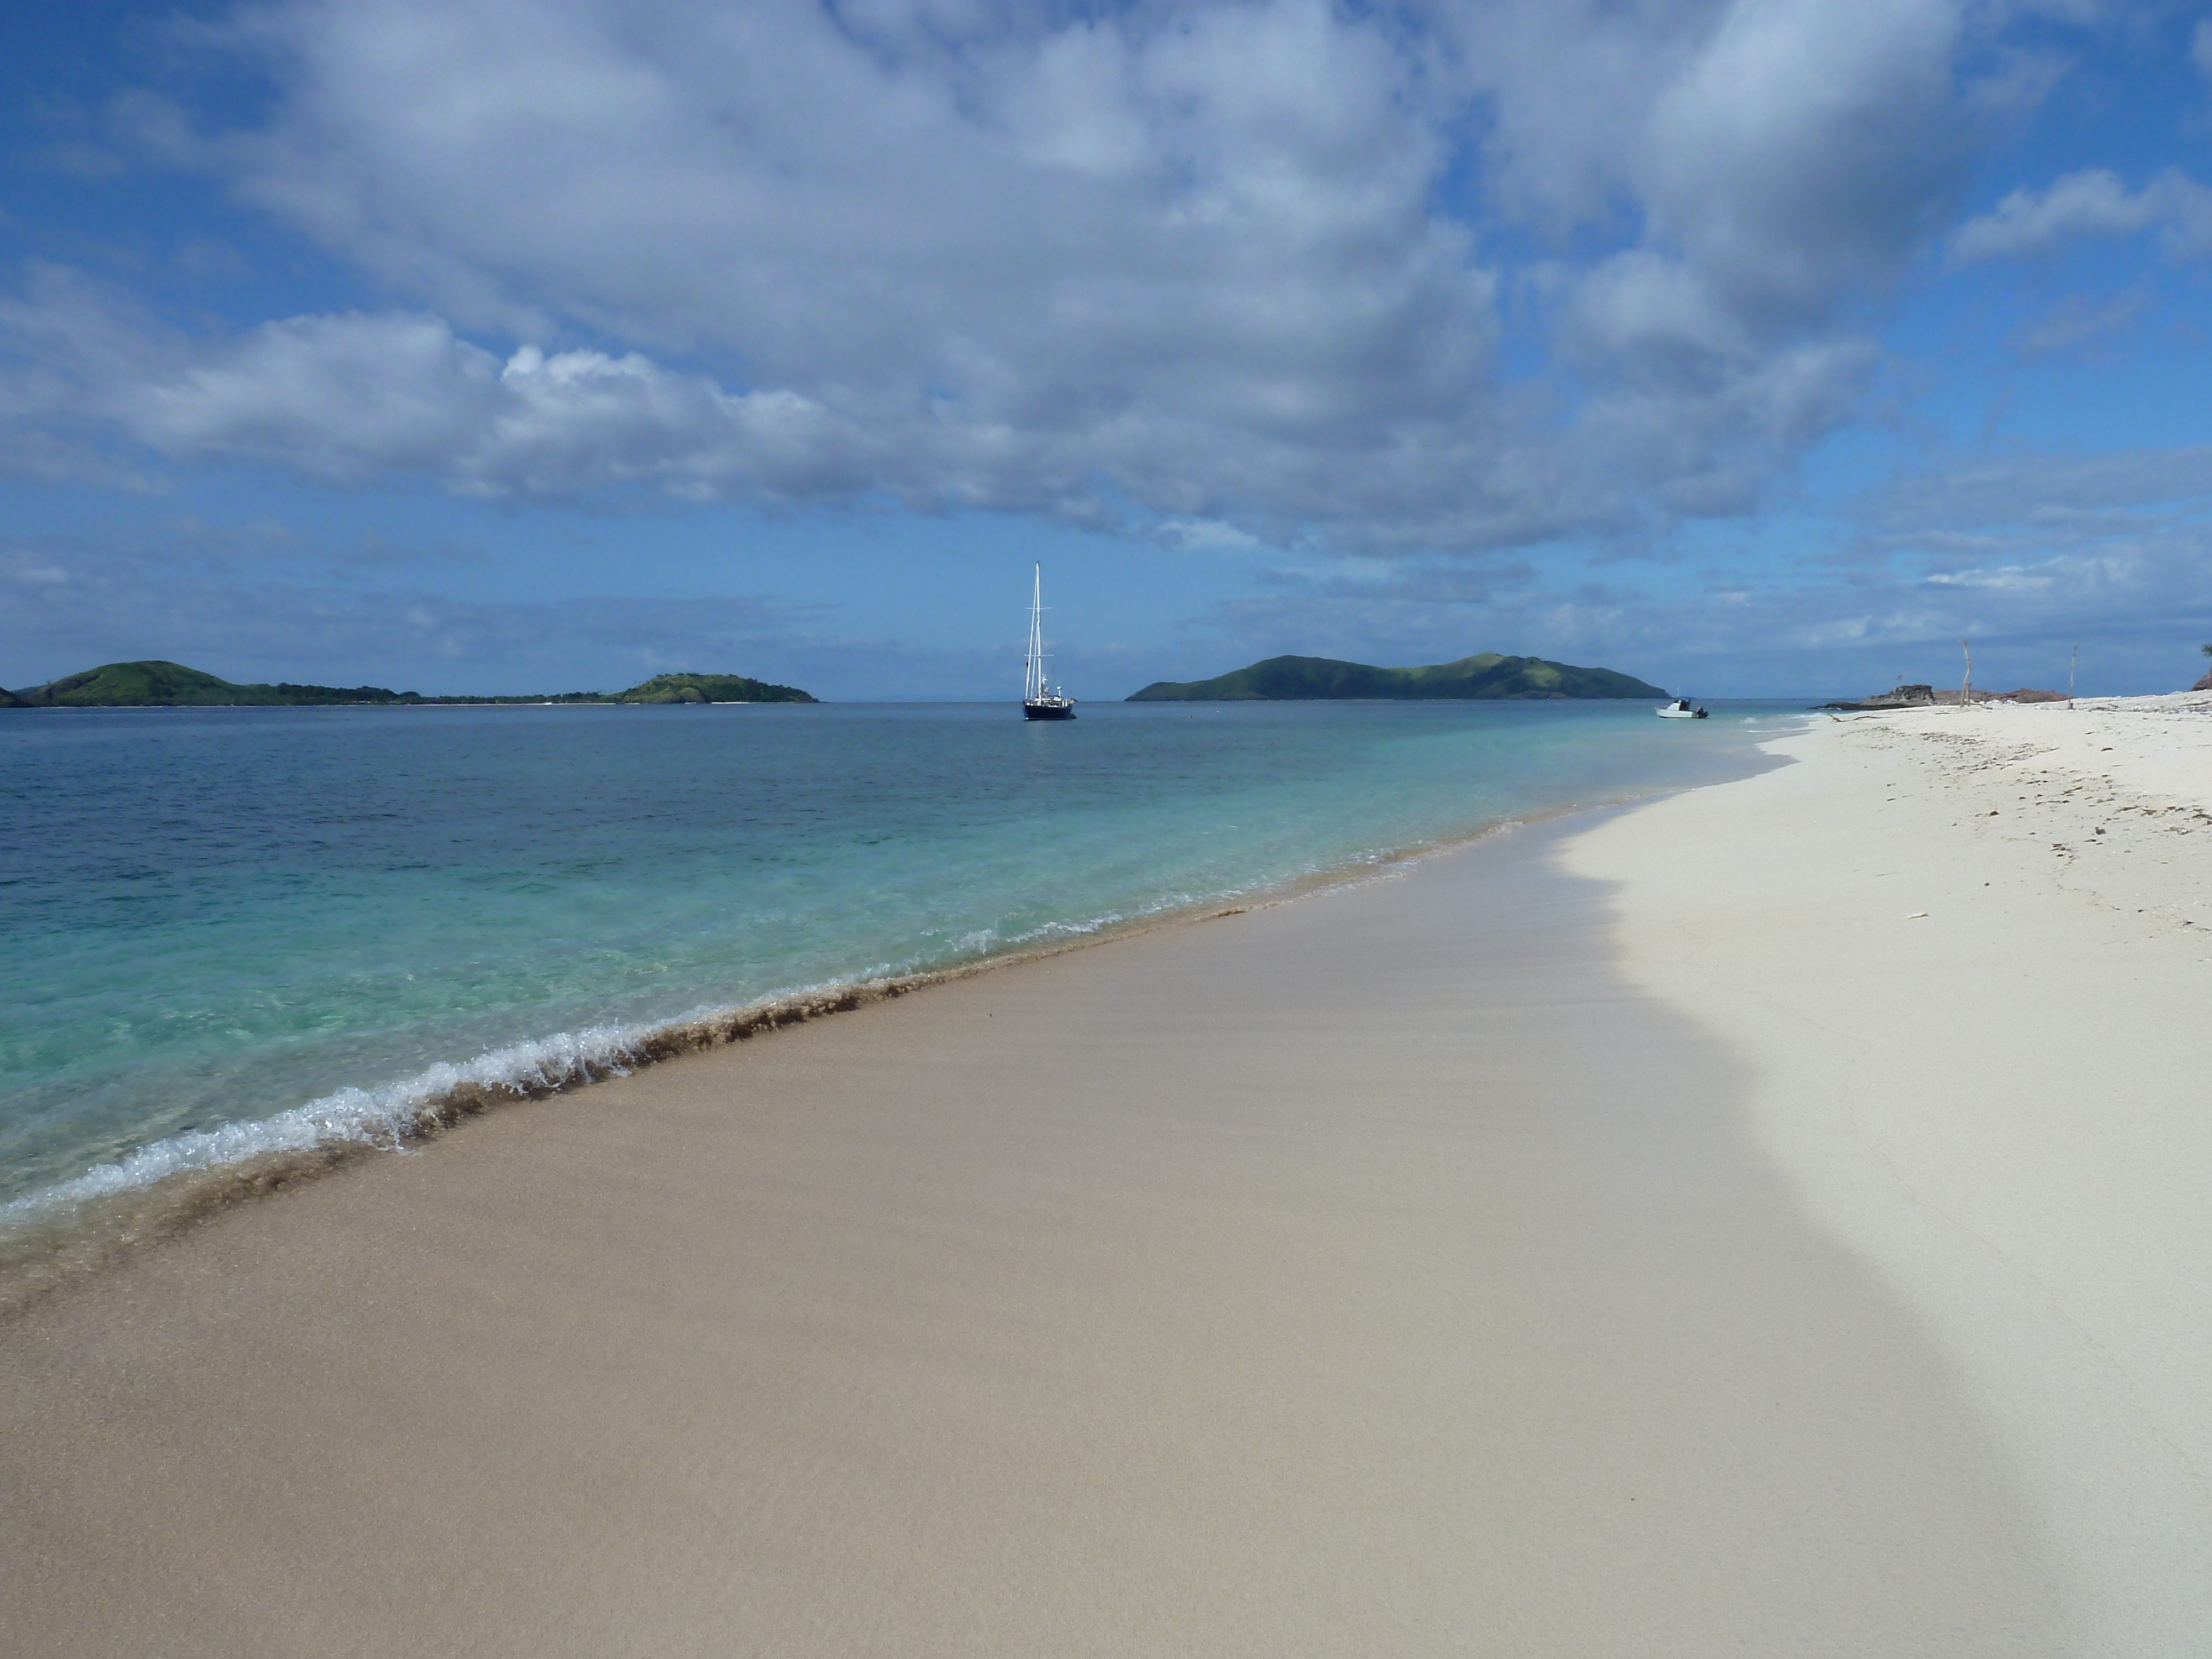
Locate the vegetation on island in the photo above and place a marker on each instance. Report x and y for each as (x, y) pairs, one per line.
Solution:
(172, 685)
(155, 684)
(1486, 677)
(710, 687)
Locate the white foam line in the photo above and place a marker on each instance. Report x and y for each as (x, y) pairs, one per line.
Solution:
(391, 1115)
(388, 1116)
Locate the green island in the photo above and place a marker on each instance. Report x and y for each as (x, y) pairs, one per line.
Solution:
(1488, 676)
(155, 684)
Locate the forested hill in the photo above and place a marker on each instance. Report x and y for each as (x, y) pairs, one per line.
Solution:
(709, 688)
(1485, 677)
(155, 684)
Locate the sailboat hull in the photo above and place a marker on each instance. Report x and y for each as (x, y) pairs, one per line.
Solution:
(1049, 711)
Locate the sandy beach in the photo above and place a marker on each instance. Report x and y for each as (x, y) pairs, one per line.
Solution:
(1767, 1219)
(1965, 958)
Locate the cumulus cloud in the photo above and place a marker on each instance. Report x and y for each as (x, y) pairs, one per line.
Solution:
(349, 397)
(1810, 148)
(2091, 203)
(1245, 262)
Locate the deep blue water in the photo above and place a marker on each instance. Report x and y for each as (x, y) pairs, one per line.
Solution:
(210, 919)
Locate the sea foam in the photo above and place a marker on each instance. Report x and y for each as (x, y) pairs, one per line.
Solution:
(387, 1117)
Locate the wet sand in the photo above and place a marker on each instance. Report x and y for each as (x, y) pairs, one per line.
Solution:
(1378, 1273)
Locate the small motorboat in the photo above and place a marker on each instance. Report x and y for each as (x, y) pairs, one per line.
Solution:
(1680, 709)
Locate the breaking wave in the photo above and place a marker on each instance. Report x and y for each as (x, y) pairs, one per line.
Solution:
(152, 1192)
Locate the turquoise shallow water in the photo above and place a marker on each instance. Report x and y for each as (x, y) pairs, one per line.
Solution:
(228, 929)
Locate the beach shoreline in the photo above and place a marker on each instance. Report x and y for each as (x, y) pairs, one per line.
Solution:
(1964, 957)
(88, 1224)
(339, 923)
(1381, 1269)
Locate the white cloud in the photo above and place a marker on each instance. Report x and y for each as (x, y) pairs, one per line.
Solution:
(1810, 148)
(2091, 203)
(1789, 150)
(1203, 535)
(1244, 262)
(2076, 321)
(1642, 306)
(350, 397)
(2042, 488)
(2025, 555)
(2133, 594)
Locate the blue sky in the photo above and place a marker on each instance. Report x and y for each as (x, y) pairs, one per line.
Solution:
(1751, 346)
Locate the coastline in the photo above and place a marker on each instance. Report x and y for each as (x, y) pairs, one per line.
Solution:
(1381, 1269)
(1965, 958)
(54, 1237)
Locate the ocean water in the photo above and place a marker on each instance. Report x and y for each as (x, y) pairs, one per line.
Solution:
(224, 932)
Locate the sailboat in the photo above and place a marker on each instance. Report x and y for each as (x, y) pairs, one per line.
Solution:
(1037, 702)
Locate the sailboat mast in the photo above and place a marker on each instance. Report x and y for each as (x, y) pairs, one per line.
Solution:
(1033, 680)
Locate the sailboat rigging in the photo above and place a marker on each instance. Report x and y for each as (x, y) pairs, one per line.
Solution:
(1039, 704)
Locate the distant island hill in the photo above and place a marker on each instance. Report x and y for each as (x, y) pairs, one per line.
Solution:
(172, 685)
(1489, 676)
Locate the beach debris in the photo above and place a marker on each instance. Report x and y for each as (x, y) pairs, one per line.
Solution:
(1917, 916)
(1927, 696)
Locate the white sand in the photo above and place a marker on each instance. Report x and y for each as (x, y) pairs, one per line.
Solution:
(1377, 1274)
(2005, 1104)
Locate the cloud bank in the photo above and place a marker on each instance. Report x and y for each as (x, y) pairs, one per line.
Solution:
(1257, 263)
